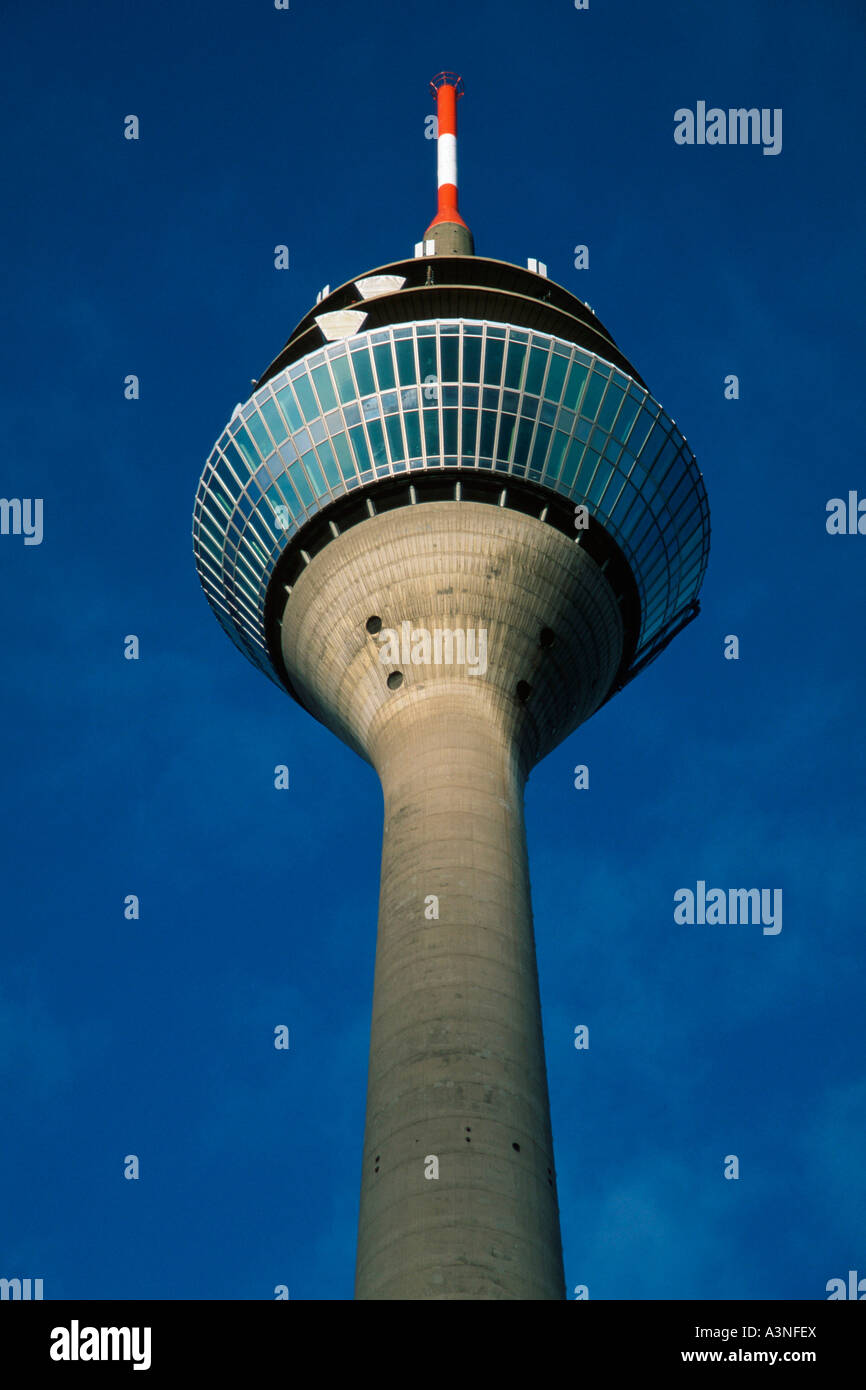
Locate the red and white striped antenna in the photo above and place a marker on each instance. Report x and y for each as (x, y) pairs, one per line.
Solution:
(448, 231)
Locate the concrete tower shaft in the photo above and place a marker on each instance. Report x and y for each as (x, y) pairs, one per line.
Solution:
(457, 1071)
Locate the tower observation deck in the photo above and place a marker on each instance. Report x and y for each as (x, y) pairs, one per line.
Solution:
(451, 522)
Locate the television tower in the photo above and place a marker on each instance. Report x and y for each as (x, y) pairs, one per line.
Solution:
(451, 522)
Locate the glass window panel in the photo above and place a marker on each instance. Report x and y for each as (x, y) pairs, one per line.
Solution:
(362, 453)
(306, 399)
(535, 370)
(470, 427)
(524, 435)
(317, 431)
(609, 406)
(598, 482)
(274, 420)
(514, 365)
(507, 437)
(377, 441)
(344, 456)
(247, 448)
(556, 378)
(395, 437)
(413, 433)
(238, 463)
(493, 355)
(431, 434)
(450, 349)
(363, 372)
(206, 525)
(299, 480)
(625, 419)
(574, 387)
(343, 378)
(324, 389)
(289, 408)
(539, 448)
(449, 420)
(283, 496)
(405, 362)
(389, 402)
(384, 366)
(471, 359)
(427, 360)
(488, 433)
(592, 395)
(256, 427)
(572, 463)
(557, 453)
(329, 463)
(314, 473)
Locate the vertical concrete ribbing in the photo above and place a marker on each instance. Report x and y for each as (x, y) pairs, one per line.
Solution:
(457, 1056)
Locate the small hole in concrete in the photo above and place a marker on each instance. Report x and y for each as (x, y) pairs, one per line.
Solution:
(516, 1148)
(374, 625)
(523, 691)
(395, 680)
(468, 1140)
(546, 637)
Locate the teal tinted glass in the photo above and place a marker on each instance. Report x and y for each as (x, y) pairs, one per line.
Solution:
(431, 433)
(289, 409)
(469, 426)
(625, 419)
(274, 420)
(256, 427)
(450, 349)
(493, 355)
(343, 378)
(609, 406)
(507, 437)
(539, 448)
(314, 473)
(449, 423)
(329, 463)
(555, 377)
(247, 448)
(524, 435)
(384, 366)
(344, 456)
(377, 441)
(592, 395)
(488, 434)
(514, 365)
(406, 362)
(427, 365)
(395, 436)
(306, 399)
(359, 445)
(324, 389)
(238, 463)
(557, 453)
(363, 372)
(471, 359)
(535, 370)
(277, 500)
(299, 481)
(572, 463)
(574, 386)
(413, 433)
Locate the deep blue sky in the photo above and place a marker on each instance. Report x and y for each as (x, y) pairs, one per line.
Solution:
(155, 777)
